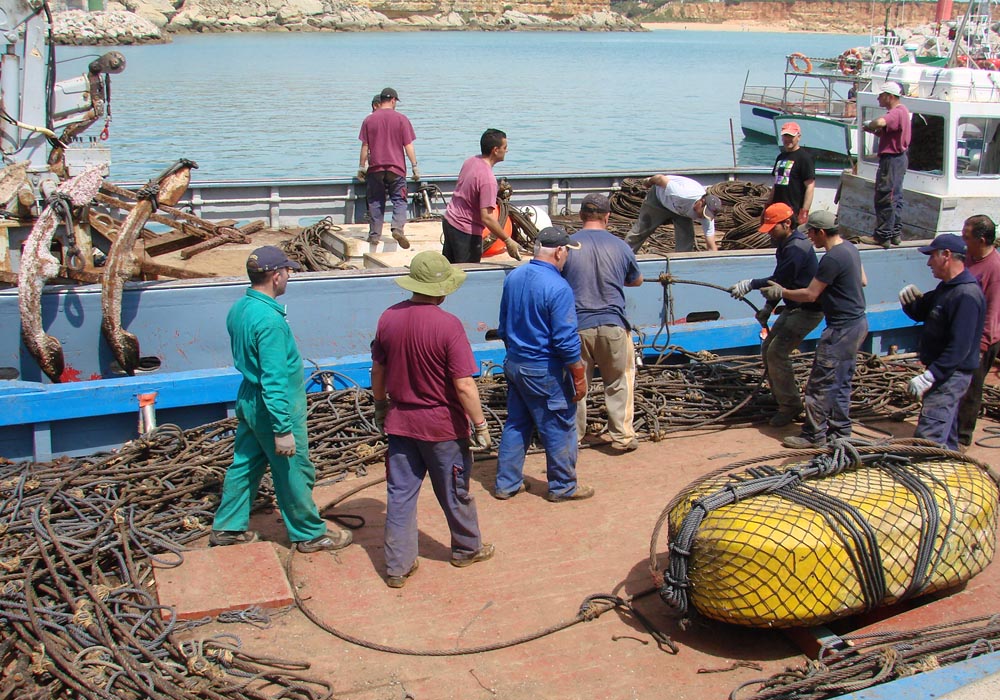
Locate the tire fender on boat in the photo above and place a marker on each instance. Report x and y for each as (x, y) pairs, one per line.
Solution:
(805, 67)
(850, 62)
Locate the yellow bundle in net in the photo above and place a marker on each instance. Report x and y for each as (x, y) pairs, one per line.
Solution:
(825, 547)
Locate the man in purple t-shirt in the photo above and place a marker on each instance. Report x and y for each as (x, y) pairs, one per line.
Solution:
(422, 367)
(893, 131)
(474, 204)
(385, 136)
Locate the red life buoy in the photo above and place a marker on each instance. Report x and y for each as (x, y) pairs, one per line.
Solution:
(793, 61)
(850, 62)
(497, 246)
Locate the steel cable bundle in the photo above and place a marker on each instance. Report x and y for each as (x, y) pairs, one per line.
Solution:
(743, 205)
(306, 248)
(859, 526)
(866, 660)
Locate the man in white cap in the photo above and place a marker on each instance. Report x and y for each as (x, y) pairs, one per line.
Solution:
(952, 315)
(794, 174)
(271, 416)
(893, 131)
(677, 200)
(425, 396)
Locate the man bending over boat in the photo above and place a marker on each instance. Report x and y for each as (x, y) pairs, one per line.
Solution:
(983, 261)
(545, 375)
(271, 416)
(473, 205)
(839, 287)
(422, 367)
(953, 317)
(794, 269)
(680, 201)
(386, 135)
(598, 273)
(893, 131)
(794, 174)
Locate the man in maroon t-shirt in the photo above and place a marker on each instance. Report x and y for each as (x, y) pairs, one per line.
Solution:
(893, 131)
(385, 136)
(421, 359)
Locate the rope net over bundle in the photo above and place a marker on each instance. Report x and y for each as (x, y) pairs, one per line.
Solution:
(856, 527)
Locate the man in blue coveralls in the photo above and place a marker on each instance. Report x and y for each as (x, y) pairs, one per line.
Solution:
(545, 375)
(271, 415)
(953, 316)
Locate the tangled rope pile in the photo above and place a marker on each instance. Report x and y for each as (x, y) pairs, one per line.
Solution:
(743, 205)
(307, 248)
(870, 659)
(78, 608)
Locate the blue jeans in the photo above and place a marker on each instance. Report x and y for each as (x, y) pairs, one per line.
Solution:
(968, 412)
(889, 196)
(938, 420)
(380, 184)
(538, 397)
(652, 214)
(449, 465)
(828, 392)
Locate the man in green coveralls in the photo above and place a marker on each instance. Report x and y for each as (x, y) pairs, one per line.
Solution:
(271, 414)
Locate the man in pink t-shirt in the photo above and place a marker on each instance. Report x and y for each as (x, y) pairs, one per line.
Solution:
(893, 131)
(474, 204)
(983, 261)
(422, 368)
(385, 136)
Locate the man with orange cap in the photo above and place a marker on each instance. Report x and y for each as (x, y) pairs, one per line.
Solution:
(794, 269)
(794, 174)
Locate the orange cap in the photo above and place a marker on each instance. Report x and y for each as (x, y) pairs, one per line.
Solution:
(775, 214)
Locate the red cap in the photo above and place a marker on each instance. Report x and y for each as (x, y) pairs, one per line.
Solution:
(791, 128)
(775, 214)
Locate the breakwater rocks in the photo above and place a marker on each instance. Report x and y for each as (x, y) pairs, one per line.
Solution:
(139, 21)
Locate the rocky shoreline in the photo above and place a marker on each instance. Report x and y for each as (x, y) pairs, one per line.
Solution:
(154, 21)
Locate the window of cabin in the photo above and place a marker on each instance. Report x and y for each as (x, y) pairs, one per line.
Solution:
(977, 147)
(926, 152)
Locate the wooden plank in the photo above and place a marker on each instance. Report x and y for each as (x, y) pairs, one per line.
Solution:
(169, 242)
(151, 267)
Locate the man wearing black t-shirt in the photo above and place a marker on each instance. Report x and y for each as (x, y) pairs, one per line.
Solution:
(794, 174)
(839, 287)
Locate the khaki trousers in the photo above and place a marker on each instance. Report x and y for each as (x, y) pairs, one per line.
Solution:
(609, 348)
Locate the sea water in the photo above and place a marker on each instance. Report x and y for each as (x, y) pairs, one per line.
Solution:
(289, 105)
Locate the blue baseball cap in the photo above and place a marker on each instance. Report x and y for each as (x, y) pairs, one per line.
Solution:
(946, 241)
(268, 258)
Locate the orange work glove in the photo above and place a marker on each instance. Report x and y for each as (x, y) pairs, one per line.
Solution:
(579, 381)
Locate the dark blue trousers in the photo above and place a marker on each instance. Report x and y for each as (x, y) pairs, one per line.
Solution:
(828, 392)
(889, 196)
(379, 185)
(449, 465)
(539, 396)
(938, 420)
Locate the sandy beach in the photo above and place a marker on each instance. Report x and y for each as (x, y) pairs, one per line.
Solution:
(728, 26)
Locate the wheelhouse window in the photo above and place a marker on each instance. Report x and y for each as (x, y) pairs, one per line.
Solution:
(977, 147)
(926, 152)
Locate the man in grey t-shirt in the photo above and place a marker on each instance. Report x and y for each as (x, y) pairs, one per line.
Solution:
(839, 286)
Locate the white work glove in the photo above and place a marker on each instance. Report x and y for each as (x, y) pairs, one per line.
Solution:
(362, 173)
(480, 440)
(920, 384)
(513, 249)
(773, 291)
(740, 289)
(284, 444)
(416, 173)
(381, 408)
(909, 294)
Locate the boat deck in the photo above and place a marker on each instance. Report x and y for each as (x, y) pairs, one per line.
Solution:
(549, 558)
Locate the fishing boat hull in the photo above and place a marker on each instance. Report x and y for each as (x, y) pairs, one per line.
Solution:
(774, 561)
